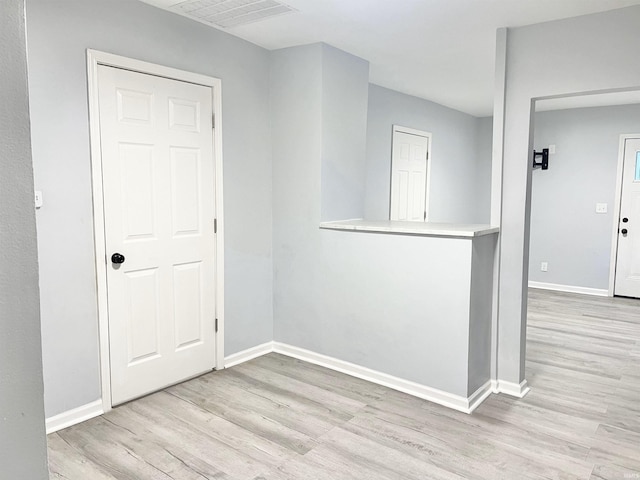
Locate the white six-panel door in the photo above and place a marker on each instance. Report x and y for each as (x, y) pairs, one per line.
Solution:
(159, 207)
(627, 277)
(409, 173)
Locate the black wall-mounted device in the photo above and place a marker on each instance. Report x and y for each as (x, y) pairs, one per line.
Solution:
(545, 159)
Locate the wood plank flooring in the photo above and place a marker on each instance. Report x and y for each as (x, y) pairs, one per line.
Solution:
(278, 418)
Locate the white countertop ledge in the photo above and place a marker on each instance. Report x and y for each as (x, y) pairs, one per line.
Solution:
(458, 230)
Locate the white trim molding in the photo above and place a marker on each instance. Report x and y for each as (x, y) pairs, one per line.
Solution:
(598, 292)
(74, 416)
(518, 390)
(479, 396)
(456, 402)
(248, 354)
(94, 59)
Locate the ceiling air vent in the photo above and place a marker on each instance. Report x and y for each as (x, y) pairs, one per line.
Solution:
(231, 13)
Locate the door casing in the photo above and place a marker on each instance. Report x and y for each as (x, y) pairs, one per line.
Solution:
(616, 212)
(95, 58)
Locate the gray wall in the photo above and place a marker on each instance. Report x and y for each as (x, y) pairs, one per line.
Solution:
(565, 230)
(345, 85)
(296, 102)
(392, 303)
(581, 54)
(23, 451)
(484, 138)
(480, 310)
(455, 188)
(59, 34)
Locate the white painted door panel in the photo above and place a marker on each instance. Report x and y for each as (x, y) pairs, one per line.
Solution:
(159, 207)
(627, 280)
(409, 177)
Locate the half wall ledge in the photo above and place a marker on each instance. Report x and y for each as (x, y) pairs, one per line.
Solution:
(456, 230)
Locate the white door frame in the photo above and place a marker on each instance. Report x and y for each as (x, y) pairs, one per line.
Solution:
(616, 211)
(95, 58)
(427, 187)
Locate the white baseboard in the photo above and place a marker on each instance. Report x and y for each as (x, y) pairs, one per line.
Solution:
(598, 292)
(494, 386)
(72, 417)
(479, 396)
(456, 402)
(518, 390)
(248, 354)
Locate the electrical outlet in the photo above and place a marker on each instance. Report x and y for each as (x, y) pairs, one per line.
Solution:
(601, 208)
(544, 266)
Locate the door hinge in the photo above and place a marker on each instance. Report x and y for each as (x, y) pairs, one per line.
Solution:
(215, 225)
(216, 325)
(425, 216)
(213, 121)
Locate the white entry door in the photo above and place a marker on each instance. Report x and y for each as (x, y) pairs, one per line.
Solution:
(409, 174)
(627, 280)
(159, 207)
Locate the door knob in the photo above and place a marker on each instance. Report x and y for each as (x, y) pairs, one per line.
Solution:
(117, 258)
(623, 231)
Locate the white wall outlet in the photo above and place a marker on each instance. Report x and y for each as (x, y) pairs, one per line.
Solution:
(38, 199)
(544, 266)
(552, 149)
(601, 208)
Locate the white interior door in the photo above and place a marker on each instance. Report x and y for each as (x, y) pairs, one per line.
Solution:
(627, 281)
(409, 175)
(159, 207)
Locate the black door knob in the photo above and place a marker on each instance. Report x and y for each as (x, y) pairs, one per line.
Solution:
(625, 220)
(623, 231)
(117, 258)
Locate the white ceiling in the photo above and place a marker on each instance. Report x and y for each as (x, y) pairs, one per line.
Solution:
(440, 50)
(582, 101)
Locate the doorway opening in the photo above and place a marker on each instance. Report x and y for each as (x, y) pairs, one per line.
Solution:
(575, 204)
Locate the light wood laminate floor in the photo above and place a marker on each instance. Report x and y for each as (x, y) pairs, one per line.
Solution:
(279, 418)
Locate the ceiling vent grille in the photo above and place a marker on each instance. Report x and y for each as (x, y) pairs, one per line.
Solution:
(231, 13)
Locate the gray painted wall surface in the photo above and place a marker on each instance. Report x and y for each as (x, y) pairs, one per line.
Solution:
(397, 304)
(581, 54)
(59, 34)
(296, 102)
(480, 310)
(484, 139)
(23, 451)
(565, 230)
(454, 186)
(345, 86)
